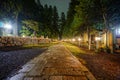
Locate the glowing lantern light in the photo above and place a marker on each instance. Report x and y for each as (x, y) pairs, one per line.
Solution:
(7, 26)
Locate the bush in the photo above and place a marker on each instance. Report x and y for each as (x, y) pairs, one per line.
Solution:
(107, 50)
(99, 50)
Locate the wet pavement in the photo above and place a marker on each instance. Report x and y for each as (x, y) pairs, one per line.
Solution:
(57, 63)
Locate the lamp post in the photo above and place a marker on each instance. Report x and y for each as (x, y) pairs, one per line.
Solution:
(73, 40)
(97, 42)
(115, 33)
(7, 29)
(23, 36)
(79, 39)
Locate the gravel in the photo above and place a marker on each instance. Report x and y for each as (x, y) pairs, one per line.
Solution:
(12, 61)
(103, 66)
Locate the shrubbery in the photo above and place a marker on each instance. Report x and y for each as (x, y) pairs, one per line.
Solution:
(105, 49)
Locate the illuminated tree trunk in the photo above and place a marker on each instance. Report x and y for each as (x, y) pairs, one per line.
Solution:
(89, 38)
(106, 28)
(16, 26)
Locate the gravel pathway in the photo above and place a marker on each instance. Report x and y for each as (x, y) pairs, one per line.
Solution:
(103, 66)
(12, 61)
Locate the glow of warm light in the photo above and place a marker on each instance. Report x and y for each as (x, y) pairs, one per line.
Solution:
(73, 40)
(79, 39)
(65, 39)
(97, 38)
(7, 26)
(23, 36)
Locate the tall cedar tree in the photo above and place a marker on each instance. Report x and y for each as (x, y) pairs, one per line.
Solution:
(30, 10)
(33, 12)
(70, 17)
(55, 22)
(47, 20)
(62, 25)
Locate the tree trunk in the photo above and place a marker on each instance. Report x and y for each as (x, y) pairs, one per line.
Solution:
(114, 40)
(106, 28)
(15, 29)
(89, 38)
(60, 36)
(34, 33)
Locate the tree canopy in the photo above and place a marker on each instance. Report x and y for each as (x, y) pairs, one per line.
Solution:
(82, 16)
(97, 14)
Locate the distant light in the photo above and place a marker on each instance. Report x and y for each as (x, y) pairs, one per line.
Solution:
(118, 31)
(23, 36)
(79, 39)
(73, 40)
(65, 39)
(7, 26)
(97, 38)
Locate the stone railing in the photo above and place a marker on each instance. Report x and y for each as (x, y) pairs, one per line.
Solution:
(19, 41)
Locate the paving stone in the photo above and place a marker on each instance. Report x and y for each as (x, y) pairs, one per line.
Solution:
(41, 78)
(49, 71)
(81, 78)
(37, 78)
(45, 77)
(28, 78)
(55, 78)
(57, 63)
(74, 78)
(84, 68)
(89, 76)
(37, 70)
(68, 78)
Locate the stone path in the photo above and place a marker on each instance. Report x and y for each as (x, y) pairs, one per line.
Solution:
(57, 63)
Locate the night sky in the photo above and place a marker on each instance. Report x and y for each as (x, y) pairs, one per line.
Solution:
(62, 5)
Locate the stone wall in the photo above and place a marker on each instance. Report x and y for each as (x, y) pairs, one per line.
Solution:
(19, 41)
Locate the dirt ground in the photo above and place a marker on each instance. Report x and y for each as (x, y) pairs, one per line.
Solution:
(103, 66)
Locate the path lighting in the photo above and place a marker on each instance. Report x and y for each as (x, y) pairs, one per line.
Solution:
(23, 36)
(73, 40)
(79, 39)
(97, 41)
(97, 38)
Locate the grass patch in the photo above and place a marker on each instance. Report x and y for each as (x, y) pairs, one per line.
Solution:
(41, 45)
(74, 49)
